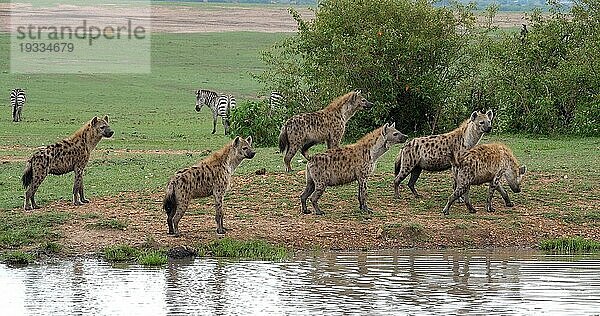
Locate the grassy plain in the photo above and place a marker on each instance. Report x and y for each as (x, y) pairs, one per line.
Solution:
(158, 132)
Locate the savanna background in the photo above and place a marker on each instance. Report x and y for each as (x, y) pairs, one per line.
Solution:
(426, 67)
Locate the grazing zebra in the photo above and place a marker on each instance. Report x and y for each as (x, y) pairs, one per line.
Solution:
(276, 101)
(17, 100)
(226, 103)
(220, 105)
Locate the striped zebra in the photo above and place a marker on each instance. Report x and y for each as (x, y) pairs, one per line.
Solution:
(220, 105)
(276, 101)
(17, 100)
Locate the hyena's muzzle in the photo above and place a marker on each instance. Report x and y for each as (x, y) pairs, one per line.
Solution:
(108, 133)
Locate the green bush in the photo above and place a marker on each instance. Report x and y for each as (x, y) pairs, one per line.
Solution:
(255, 118)
(426, 68)
(402, 53)
(546, 81)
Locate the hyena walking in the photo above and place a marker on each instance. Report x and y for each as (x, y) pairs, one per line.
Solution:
(485, 163)
(328, 125)
(435, 152)
(211, 176)
(69, 154)
(343, 165)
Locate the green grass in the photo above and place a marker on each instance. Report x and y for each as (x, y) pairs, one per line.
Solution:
(17, 257)
(152, 258)
(17, 230)
(120, 253)
(570, 245)
(253, 249)
(126, 253)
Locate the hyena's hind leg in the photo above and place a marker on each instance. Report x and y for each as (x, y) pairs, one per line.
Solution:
(175, 218)
(37, 179)
(318, 191)
(458, 192)
(308, 191)
(414, 176)
(289, 154)
(306, 147)
(403, 172)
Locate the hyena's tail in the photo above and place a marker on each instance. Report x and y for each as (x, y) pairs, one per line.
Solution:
(170, 201)
(27, 175)
(284, 142)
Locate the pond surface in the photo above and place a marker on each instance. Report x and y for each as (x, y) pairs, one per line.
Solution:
(337, 283)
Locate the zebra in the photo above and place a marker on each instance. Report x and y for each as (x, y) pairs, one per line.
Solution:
(220, 105)
(226, 103)
(276, 101)
(17, 100)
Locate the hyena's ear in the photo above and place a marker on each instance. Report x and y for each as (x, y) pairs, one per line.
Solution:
(236, 141)
(393, 125)
(490, 114)
(522, 169)
(94, 121)
(249, 140)
(106, 118)
(385, 128)
(474, 116)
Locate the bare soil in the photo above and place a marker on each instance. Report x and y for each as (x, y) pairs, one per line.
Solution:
(185, 19)
(271, 212)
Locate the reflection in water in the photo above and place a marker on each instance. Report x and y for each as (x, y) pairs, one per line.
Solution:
(406, 282)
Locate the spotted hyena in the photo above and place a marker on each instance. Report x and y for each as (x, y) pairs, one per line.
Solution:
(485, 163)
(344, 165)
(69, 154)
(211, 176)
(305, 130)
(435, 152)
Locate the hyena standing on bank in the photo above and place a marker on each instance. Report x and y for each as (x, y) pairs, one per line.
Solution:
(343, 165)
(435, 152)
(69, 154)
(486, 163)
(328, 125)
(211, 176)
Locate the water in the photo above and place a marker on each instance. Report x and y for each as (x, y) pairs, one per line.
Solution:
(344, 283)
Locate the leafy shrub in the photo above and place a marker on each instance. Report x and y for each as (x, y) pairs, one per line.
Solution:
(426, 68)
(546, 81)
(401, 53)
(254, 118)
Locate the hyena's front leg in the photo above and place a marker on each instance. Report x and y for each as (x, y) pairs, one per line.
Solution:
(488, 203)
(505, 197)
(219, 194)
(362, 195)
(78, 198)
